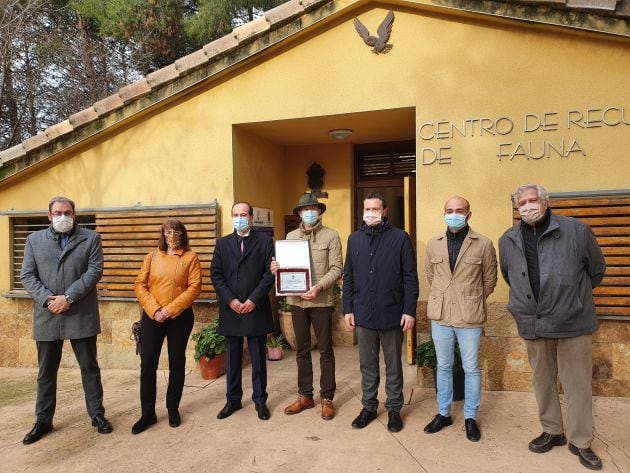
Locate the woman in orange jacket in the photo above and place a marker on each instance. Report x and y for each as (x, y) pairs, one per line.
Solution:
(166, 287)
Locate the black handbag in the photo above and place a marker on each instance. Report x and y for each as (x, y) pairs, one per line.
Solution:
(136, 327)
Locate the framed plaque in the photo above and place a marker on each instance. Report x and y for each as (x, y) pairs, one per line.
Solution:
(294, 275)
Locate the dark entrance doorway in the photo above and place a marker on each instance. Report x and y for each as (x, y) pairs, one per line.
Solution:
(383, 167)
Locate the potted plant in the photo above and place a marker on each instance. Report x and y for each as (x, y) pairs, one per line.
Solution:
(274, 347)
(426, 356)
(210, 351)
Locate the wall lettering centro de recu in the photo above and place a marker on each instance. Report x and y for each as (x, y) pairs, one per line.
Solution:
(436, 138)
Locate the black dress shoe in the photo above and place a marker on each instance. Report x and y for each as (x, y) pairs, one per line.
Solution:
(394, 422)
(229, 409)
(363, 419)
(102, 424)
(438, 423)
(263, 411)
(143, 424)
(545, 442)
(472, 430)
(174, 419)
(588, 457)
(37, 432)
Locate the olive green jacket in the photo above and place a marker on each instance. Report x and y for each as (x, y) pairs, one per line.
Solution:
(326, 263)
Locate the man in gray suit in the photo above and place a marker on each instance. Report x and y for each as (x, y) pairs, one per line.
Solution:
(62, 265)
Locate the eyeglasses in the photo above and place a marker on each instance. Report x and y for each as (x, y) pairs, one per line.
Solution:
(172, 232)
(67, 213)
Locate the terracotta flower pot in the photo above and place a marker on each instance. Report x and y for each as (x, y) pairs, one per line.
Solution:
(212, 368)
(286, 327)
(274, 353)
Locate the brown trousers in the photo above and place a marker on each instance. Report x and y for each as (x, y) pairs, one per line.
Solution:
(321, 318)
(570, 359)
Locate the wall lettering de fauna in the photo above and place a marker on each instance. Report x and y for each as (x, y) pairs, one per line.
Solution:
(436, 138)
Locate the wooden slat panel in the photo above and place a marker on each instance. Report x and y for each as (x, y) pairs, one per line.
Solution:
(150, 220)
(604, 310)
(592, 211)
(615, 281)
(591, 201)
(618, 261)
(614, 241)
(616, 250)
(107, 293)
(174, 213)
(604, 231)
(612, 291)
(618, 271)
(154, 229)
(129, 236)
(613, 301)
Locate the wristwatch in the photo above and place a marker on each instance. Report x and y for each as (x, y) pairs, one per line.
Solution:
(68, 299)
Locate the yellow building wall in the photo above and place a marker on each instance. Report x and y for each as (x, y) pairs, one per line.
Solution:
(336, 159)
(258, 176)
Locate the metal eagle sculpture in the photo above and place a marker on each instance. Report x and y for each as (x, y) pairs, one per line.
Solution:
(379, 44)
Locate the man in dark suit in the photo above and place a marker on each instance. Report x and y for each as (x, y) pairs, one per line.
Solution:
(242, 280)
(62, 265)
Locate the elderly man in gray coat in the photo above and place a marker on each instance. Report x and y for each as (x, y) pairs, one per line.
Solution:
(62, 265)
(552, 263)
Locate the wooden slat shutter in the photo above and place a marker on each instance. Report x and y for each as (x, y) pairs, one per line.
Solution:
(129, 235)
(609, 218)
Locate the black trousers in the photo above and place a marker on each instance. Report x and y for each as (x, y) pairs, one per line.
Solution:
(234, 346)
(152, 336)
(321, 318)
(49, 358)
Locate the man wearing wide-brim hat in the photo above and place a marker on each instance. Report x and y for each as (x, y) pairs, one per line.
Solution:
(315, 306)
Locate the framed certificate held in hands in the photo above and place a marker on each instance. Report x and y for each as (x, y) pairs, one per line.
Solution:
(294, 275)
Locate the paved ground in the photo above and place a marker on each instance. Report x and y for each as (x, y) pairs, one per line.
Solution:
(300, 443)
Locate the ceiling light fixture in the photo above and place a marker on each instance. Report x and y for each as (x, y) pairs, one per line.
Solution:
(340, 134)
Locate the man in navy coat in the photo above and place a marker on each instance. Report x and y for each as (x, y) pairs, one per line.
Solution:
(242, 280)
(380, 292)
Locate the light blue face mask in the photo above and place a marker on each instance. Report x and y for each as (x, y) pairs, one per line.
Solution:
(240, 224)
(309, 217)
(455, 221)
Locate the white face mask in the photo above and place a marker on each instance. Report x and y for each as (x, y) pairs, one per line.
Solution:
(63, 223)
(372, 218)
(531, 212)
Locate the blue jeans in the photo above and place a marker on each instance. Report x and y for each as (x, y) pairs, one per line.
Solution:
(468, 340)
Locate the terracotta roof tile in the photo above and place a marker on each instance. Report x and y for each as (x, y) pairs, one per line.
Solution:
(108, 104)
(14, 152)
(35, 141)
(191, 61)
(222, 45)
(59, 129)
(83, 117)
(134, 90)
(623, 9)
(552, 3)
(311, 3)
(251, 29)
(284, 12)
(608, 5)
(162, 76)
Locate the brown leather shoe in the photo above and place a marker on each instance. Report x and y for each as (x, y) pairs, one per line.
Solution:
(301, 403)
(328, 410)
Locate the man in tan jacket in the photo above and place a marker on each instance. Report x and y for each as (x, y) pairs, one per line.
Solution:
(461, 268)
(315, 306)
